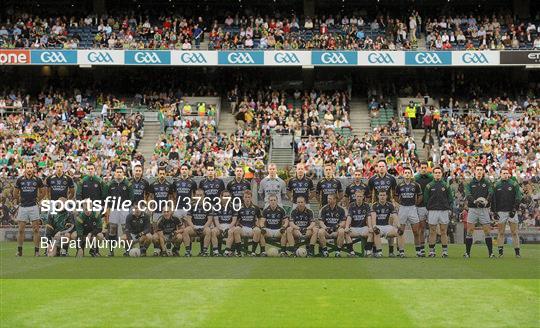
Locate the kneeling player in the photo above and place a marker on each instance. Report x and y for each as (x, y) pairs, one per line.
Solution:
(169, 231)
(384, 215)
(331, 225)
(89, 230)
(302, 226)
(198, 223)
(60, 229)
(224, 222)
(247, 225)
(359, 223)
(138, 230)
(274, 224)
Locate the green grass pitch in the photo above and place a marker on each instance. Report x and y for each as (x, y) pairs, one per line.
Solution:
(271, 292)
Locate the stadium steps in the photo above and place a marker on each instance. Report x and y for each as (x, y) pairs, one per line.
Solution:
(417, 135)
(282, 157)
(359, 117)
(227, 122)
(148, 142)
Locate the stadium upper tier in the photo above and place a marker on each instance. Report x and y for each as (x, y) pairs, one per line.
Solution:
(254, 32)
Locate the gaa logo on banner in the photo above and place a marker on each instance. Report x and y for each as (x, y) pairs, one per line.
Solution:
(133, 57)
(381, 58)
(54, 57)
(241, 58)
(334, 58)
(100, 57)
(471, 58)
(428, 58)
(14, 57)
(287, 58)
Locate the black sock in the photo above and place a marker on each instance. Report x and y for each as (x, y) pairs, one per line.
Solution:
(311, 248)
(282, 249)
(516, 250)
(19, 249)
(417, 248)
(156, 245)
(292, 249)
(111, 238)
(401, 250)
(263, 249)
(188, 248)
(445, 248)
(325, 249)
(204, 249)
(489, 244)
(253, 246)
(36, 249)
(390, 249)
(369, 246)
(238, 247)
(432, 247)
(422, 248)
(468, 245)
(214, 249)
(501, 250)
(143, 249)
(373, 248)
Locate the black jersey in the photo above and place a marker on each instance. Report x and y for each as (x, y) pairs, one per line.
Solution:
(408, 193)
(332, 216)
(247, 216)
(91, 187)
(383, 212)
(120, 189)
(138, 224)
(423, 180)
(351, 190)
(212, 189)
(302, 218)
(168, 226)
(199, 216)
(161, 192)
(359, 214)
(385, 183)
(300, 188)
(274, 217)
(184, 189)
(59, 185)
(90, 223)
(140, 188)
(237, 188)
(28, 189)
(225, 216)
(327, 187)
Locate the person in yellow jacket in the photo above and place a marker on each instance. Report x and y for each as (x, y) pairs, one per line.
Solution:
(201, 109)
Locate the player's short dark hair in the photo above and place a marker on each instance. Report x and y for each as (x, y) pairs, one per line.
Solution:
(119, 167)
(186, 165)
(437, 168)
(382, 161)
(137, 165)
(424, 163)
(407, 168)
(162, 168)
(479, 165)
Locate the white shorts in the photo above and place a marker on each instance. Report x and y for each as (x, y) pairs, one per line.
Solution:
(247, 232)
(224, 226)
(478, 215)
(408, 215)
(505, 217)
(385, 229)
(422, 213)
(197, 227)
(118, 216)
(181, 213)
(362, 231)
(28, 214)
(438, 217)
(155, 217)
(273, 233)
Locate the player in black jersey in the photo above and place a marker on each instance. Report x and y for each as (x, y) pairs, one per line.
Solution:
(274, 223)
(302, 225)
(91, 186)
(384, 214)
(119, 189)
(183, 190)
(28, 193)
(212, 186)
(381, 181)
(140, 186)
(408, 196)
(59, 184)
(359, 223)
(198, 223)
(300, 186)
(223, 225)
(138, 229)
(236, 186)
(423, 177)
(331, 225)
(328, 186)
(356, 185)
(170, 231)
(248, 225)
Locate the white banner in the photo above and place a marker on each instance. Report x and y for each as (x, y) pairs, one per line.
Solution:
(100, 57)
(381, 58)
(194, 58)
(475, 58)
(287, 58)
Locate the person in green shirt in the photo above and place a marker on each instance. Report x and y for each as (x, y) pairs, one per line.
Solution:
(89, 229)
(59, 230)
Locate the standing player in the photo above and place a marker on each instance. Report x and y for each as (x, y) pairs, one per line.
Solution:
(408, 195)
(89, 229)
(384, 215)
(59, 184)
(28, 193)
(169, 232)
(247, 225)
(359, 223)
(423, 177)
(506, 198)
(212, 186)
(273, 224)
(119, 189)
(356, 185)
(331, 225)
(183, 190)
(236, 186)
(138, 229)
(328, 186)
(160, 192)
(91, 186)
(140, 186)
(198, 223)
(300, 186)
(438, 198)
(478, 192)
(272, 185)
(302, 225)
(224, 222)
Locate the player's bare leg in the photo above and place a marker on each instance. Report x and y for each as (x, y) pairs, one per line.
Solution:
(489, 240)
(340, 240)
(469, 240)
(515, 238)
(35, 235)
(113, 230)
(205, 241)
(258, 238)
(432, 239)
(416, 234)
(322, 242)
